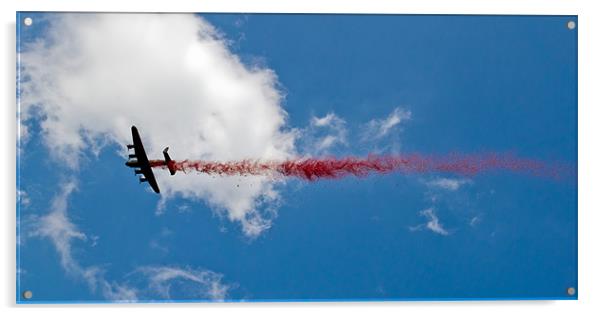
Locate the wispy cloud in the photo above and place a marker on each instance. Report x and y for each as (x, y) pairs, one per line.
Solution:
(157, 246)
(198, 283)
(62, 233)
(324, 134)
(158, 243)
(378, 128)
(57, 227)
(433, 224)
(23, 198)
(327, 120)
(475, 220)
(448, 183)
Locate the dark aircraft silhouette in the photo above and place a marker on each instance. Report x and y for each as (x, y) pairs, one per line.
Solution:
(140, 161)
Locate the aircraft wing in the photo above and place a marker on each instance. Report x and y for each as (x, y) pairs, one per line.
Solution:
(143, 162)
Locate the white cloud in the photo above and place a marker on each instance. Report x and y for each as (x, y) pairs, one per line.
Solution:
(328, 120)
(474, 221)
(23, 198)
(118, 293)
(324, 134)
(378, 128)
(447, 183)
(157, 246)
(22, 136)
(172, 75)
(432, 224)
(326, 142)
(158, 243)
(58, 228)
(198, 284)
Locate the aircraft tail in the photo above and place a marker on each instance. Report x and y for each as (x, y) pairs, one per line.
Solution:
(168, 162)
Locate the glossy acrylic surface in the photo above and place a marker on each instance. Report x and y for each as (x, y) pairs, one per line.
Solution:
(282, 88)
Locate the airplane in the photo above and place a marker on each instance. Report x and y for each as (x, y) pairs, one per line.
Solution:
(139, 161)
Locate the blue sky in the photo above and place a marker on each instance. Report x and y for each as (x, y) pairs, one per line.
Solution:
(467, 83)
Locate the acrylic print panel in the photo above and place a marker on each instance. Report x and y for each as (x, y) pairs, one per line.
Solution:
(311, 157)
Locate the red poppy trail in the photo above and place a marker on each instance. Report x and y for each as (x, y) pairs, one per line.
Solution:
(335, 168)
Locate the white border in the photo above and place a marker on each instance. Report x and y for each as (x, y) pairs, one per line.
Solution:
(590, 35)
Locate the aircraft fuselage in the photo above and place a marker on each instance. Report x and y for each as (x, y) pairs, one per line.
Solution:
(142, 166)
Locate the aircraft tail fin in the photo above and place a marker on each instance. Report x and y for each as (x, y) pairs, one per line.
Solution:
(168, 162)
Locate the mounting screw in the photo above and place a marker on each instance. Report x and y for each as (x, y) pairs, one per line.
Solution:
(27, 21)
(571, 25)
(27, 295)
(570, 291)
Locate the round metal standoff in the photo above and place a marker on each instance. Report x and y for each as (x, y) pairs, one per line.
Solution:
(570, 291)
(27, 295)
(27, 21)
(571, 25)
